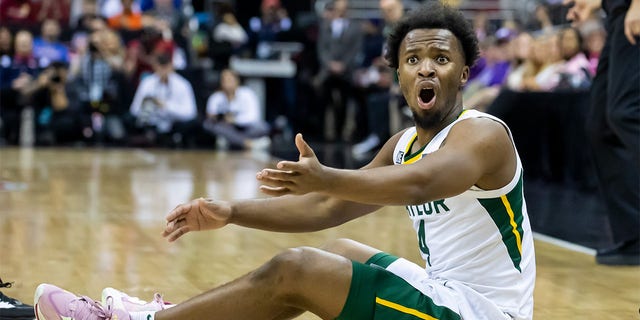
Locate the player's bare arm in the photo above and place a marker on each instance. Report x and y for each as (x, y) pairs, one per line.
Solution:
(477, 152)
(310, 212)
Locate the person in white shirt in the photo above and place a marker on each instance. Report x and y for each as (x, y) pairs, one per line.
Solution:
(164, 103)
(233, 114)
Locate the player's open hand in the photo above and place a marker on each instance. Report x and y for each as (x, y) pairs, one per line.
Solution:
(295, 177)
(199, 214)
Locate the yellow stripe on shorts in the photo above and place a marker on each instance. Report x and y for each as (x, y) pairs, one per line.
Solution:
(404, 309)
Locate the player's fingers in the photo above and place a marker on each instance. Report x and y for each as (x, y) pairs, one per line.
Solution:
(289, 166)
(178, 233)
(303, 147)
(270, 174)
(275, 191)
(178, 211)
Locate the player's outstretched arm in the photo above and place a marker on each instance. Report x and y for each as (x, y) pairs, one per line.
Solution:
(477, 152)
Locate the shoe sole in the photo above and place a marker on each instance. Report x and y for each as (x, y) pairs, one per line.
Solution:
(115, 294)
(36, 306)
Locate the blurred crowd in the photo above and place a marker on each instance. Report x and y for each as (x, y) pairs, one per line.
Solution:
(158, 72)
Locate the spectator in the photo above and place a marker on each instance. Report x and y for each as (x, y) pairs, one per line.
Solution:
(18, 14)
(521, 48)
(547, 58)
(479, 92)
(273, 21)
(16, 82)
(228, 38)
(233, 114)
(58, 10)
(6, 46)
(99, 87)
(594, 38)
(48, 48)
(58, 118)
(574, 73)
(170, 20)
(385, 87)
(130, 19)
(339, 44)
(110, 8)
(140, 53)
(541, 20)
(164, 105)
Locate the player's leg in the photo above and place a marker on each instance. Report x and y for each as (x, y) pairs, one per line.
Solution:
(351, 249)
(297, 279)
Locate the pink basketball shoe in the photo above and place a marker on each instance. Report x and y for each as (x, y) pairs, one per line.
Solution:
(123, 301)
(53, 303)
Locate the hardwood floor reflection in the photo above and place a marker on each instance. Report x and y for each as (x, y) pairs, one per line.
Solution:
(84, 219)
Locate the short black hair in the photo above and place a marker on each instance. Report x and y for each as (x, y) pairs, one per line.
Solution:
(433, 15)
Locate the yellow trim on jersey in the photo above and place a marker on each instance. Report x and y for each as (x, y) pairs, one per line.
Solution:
(512, 221)
(407, 150)
(404, 309)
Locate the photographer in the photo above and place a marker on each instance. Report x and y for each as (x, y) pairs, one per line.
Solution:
(100, 88)
(57, 119)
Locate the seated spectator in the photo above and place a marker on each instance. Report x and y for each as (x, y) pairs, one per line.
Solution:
(574, 74)
(546, 55)
(16, 84)
(110, 8)
(165, 13)
(594, 36)
(139, 54)
(233, 114)
(130, 19)
(521, 48)
(273, 21)
(228, 39)
(58, 115)
(6, 47)
(48, 48)
(164, 106)
(58, 10)
(480, 92)
(18, 14)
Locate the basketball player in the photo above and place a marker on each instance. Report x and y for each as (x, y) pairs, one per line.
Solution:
(458, 174)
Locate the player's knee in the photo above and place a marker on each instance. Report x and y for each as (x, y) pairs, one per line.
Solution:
(281, 272)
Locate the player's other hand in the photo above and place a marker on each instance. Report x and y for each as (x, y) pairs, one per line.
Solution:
(199, 214)
(580, 10)
(296, 177)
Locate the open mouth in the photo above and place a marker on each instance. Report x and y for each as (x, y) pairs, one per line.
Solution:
(427, 98)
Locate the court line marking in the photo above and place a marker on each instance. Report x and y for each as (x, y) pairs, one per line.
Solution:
(564, 244)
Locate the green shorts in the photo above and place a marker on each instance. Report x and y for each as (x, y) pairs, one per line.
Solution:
(376, 293)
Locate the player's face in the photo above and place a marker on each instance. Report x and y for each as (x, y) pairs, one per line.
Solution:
(431, 72)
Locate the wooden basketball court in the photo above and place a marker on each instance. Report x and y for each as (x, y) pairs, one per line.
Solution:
(84, 219)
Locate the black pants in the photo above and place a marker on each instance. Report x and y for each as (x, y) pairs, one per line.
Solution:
(613, 128)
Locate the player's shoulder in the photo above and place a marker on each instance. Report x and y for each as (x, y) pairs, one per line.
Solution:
(478, 126)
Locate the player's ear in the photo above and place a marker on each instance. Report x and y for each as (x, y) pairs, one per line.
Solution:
(464, 77)
(398, 76)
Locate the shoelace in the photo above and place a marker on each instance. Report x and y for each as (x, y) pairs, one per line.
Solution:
(5, 284)
(87, 306)
(157, 297)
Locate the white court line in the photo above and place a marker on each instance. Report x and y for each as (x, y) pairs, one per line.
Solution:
(564, 244)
